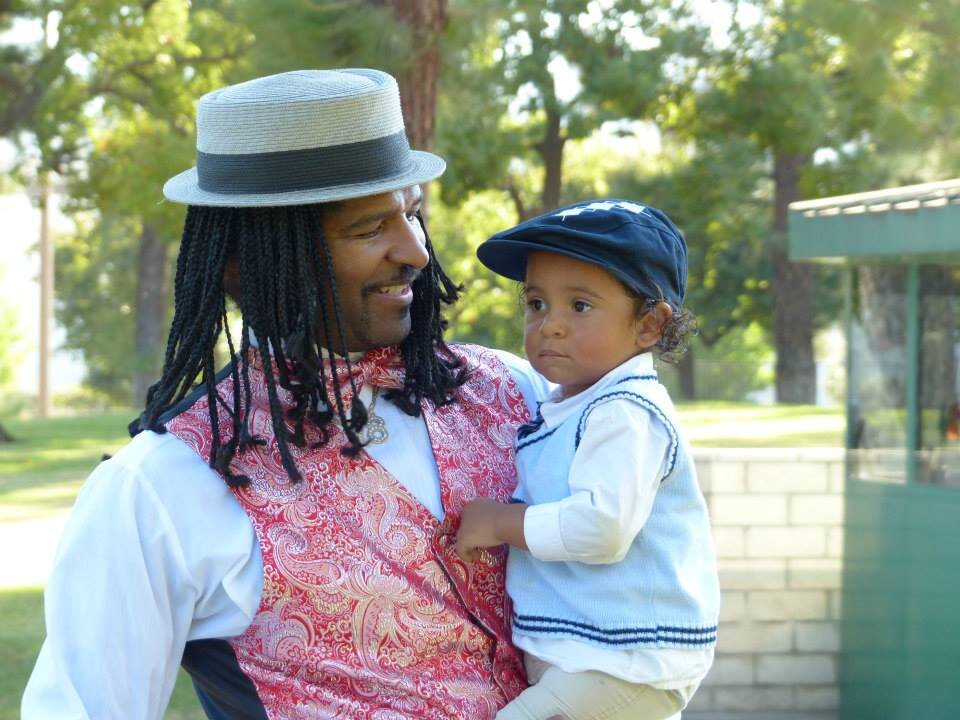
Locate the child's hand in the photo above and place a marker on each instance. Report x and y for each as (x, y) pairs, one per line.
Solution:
(486, 523)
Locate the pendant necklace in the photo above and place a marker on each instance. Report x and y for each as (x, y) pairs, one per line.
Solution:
(375, 431)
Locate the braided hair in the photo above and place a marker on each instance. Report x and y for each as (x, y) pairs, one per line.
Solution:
(282, 259)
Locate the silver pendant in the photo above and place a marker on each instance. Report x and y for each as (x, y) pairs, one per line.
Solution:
(376, 430)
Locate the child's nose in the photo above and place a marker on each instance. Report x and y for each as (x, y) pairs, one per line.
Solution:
(551, 326)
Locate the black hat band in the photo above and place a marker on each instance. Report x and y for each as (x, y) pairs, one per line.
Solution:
(306, 169)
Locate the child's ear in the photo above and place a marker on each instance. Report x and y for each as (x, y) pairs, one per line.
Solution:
(650, 325)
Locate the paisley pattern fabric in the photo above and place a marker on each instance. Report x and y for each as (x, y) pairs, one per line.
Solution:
(367, 611)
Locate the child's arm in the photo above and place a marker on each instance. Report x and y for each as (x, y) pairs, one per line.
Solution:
(613, 481)
(486, 523)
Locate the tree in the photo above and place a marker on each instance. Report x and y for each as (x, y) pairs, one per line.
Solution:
(425, 21)
(539, 75)
(710, 196)
(797, 78)
(132, 66)
(113, 276)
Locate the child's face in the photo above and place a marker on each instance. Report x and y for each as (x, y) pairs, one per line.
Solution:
(580, 322)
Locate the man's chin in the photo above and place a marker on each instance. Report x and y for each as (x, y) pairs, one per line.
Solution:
(387, 336)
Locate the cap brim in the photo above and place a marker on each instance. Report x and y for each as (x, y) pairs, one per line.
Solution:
(506, 257)
(509, 258)
(424, 166)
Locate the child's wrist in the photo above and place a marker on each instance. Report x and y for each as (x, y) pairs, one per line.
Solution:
(509, 526)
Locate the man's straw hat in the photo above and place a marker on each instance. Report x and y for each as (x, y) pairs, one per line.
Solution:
(301, 137)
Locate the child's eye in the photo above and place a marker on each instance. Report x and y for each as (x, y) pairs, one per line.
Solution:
(582, 306)
(535, 304)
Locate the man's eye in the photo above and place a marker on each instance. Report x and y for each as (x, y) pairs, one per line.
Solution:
(581, 306)
(372, 232)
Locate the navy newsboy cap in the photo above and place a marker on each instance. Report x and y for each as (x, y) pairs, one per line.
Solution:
(635, 243)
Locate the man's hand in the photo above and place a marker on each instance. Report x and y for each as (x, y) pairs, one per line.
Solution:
(487, 523)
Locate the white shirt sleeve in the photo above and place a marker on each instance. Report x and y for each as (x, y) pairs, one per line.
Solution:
(126, 591)
(613, 481)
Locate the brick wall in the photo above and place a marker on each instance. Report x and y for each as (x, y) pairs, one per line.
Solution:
(777, 520)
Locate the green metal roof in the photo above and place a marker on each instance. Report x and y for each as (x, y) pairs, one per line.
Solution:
(915, 222)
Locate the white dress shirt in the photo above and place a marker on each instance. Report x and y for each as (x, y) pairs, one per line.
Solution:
(158, 551)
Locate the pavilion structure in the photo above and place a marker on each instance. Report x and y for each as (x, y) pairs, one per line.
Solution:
(900, 628)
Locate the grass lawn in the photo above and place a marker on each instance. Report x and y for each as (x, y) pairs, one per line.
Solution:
(41, 473)
(723, 424)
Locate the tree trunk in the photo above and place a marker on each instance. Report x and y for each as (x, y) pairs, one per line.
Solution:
(882, 291)
(427, 20)
(151, 311)
(938, 339)
(793, 295)
(688, 387)
(551, 150)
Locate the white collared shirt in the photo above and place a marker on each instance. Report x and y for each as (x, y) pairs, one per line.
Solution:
(613, 482)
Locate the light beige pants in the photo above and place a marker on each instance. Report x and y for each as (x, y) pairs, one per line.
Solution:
(557, 695)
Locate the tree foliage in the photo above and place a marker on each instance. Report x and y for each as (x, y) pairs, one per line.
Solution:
(105, 98)
(800, 98)
(542, 74)
(798, 81)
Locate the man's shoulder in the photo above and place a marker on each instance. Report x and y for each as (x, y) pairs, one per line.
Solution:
(495, 358)
(160, 465)
(493, 362)
(148, 450)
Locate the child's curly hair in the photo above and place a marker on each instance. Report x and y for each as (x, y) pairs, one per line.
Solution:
(677, 331)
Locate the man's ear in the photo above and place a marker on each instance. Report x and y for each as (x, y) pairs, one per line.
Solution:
(649, 327)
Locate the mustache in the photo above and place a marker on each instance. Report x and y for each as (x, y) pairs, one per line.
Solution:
(407, 275)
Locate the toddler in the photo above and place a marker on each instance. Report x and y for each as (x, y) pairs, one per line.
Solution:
(611, 570)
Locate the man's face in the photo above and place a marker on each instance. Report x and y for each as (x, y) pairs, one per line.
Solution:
(377, 248)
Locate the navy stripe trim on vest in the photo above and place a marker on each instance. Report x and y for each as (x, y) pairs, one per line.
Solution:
(693, 637)
(537, 439)
(224, 690)
(651, 376)
(641, 400)
(307, 169)
(531, 427)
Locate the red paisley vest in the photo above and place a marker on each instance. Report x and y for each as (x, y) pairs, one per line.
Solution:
(367, 612)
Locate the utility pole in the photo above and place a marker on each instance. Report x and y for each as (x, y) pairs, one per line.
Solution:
(44, 396)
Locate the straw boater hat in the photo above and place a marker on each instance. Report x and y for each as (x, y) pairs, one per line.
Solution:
(301, 137)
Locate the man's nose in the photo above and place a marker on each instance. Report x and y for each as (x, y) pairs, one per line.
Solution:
(410, 244)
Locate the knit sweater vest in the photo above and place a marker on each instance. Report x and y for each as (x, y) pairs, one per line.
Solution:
(664, 593)
(367, 611)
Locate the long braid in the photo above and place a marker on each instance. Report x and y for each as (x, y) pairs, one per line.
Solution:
(432, 371)
(358, 413)
(281, 260)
